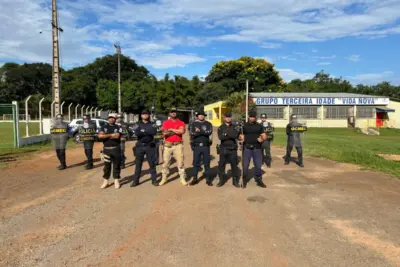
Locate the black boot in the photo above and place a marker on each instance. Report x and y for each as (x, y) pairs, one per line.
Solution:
(244, 182)
(235, 182)
(194, 181)
(221, 181)
(61, 167)
(268, 162)
(154, 183)
(287, 160)
(260, 182)
(135, 182)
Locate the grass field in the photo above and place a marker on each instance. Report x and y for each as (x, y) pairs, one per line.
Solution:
(7, 133)
(351, 146)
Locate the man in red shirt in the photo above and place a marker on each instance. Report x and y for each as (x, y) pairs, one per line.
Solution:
(173, 130)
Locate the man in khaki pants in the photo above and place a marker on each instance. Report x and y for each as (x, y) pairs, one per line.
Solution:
(172, 130)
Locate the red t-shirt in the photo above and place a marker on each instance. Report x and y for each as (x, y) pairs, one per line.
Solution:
(170, 124)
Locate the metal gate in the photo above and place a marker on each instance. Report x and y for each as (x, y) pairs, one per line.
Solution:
(9, 130)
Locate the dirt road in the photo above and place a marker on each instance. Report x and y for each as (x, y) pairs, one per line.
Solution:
(327, 214)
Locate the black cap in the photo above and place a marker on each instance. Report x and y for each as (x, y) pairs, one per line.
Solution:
(145, 111)
(200, 112)
(263, 115)
(173, 109)
(252, 113)
(228, 114)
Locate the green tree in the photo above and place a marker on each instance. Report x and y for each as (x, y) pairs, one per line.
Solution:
(234, 73)
(106, 92)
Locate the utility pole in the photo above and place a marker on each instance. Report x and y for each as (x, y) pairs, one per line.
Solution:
(247, 100)
(119, 77)
(56, 85)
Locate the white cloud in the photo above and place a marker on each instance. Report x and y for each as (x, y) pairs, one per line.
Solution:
(323, 63)
(217, 57)
(91, 27)
(289, 74)
(371, 78)
(271, 45)
(288, 58)
(354, 58)
(314, 51)
(165, 61)
(325, 57)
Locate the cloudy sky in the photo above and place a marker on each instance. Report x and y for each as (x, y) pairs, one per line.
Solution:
(356, 39)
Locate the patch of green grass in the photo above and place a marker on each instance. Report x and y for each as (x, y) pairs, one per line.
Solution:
(351, 146)
(7, 132)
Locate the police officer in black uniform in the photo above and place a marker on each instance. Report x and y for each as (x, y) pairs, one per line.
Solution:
(124, 137)
(111, 136)
(87, 134)
(228, 134)
(266, 144)
(200, 133)
(145, 145)
(293, 131)
(253, 136)
(59, 135)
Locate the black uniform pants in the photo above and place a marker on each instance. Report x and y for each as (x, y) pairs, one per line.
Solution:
(61, 156)
(199, 153)
(89, 156)
(140, 151)
(227, 155)
(112, 156)
(157, 152)
(266, 152)
(289, 149)
(122, 145)
(256, 155)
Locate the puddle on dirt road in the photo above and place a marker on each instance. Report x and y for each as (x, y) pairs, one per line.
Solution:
(258, 199)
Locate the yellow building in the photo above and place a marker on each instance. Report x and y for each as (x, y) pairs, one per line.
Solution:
(319, 109)
(215, 112)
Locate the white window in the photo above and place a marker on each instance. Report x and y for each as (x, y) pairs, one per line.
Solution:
(305, 112)
(365, 112)
(337, 112)
(272, 112)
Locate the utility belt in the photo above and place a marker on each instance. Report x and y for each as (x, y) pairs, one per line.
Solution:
(151, 144)
(201, 144)
(111, 147)
(230, 148)
(171, 144)
(251, 146)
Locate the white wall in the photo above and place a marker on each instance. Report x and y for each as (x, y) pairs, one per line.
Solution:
(34, 139)
(394, 117)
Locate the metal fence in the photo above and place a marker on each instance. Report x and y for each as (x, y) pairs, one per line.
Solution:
(25, 119)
